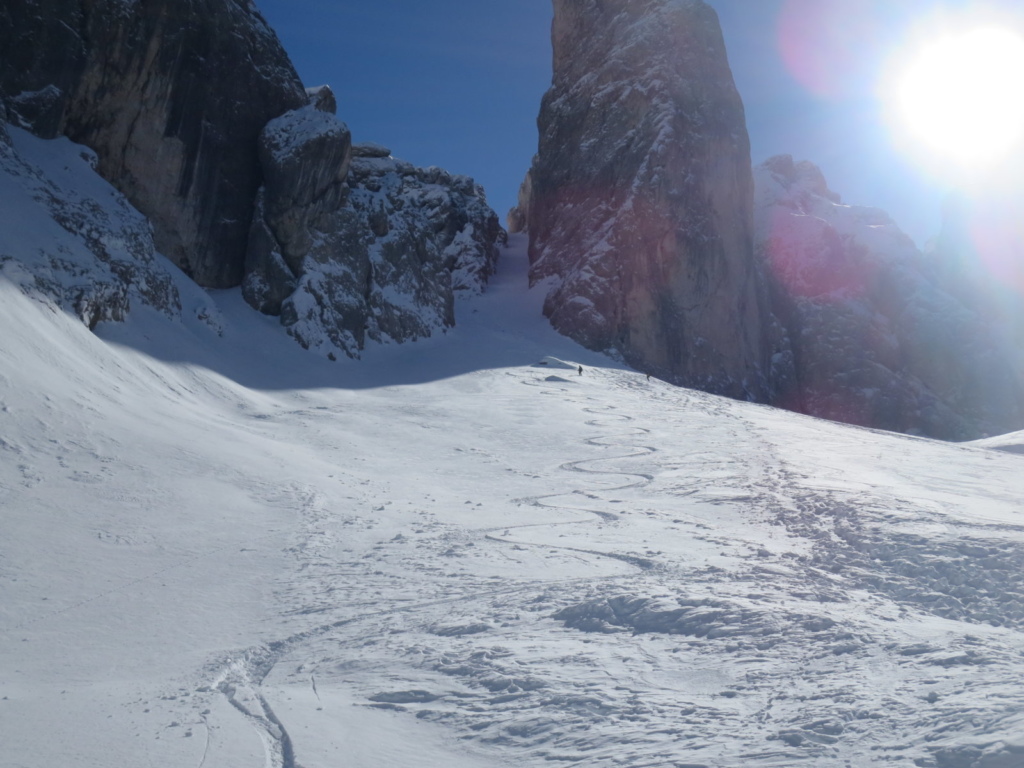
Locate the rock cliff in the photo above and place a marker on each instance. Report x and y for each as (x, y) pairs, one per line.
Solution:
(70, 240)
(171, 94)
(879, 338)
(350, 244)
(196, 114)
(640, 209)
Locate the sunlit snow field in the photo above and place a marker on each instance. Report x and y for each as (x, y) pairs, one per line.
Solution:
(221, 551)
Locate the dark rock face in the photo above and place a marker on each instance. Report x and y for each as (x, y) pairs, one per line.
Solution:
(5, 137)
(323, 99)
(642, 194)
(305, 157)
(70, 239)
(172, 95)
(518, 219)
(350, 244)
(44, 55)
(878, 338)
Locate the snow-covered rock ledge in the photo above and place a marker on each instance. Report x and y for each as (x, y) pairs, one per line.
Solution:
(373, 249)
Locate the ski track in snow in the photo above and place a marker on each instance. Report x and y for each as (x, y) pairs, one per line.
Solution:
(531, 713)
(493, 567)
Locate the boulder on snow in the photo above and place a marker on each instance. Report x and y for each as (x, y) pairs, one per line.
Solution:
(303, 154)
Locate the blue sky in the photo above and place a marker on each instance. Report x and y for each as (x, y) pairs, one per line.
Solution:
(458, 84)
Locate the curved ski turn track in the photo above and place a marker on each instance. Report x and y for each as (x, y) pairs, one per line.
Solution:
(429, 562)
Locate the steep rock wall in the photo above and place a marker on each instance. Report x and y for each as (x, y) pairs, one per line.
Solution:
(171, 94)
(640, 211)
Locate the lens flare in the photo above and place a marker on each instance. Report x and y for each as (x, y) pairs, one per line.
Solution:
(961, 95)
(826, 44)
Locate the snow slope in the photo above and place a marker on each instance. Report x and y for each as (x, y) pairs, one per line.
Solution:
(221, 551)
(1011, 443)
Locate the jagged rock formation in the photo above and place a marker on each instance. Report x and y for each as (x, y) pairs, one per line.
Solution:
(171, 94)
(518, 219)
(349, 244)
(641, 198)
(196, 114)
(69, 238)
(305, 156)
(879, 339)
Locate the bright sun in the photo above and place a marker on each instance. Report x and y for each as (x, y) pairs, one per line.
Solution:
(963, 95)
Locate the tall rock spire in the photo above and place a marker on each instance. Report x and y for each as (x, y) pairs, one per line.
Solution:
(640, 212)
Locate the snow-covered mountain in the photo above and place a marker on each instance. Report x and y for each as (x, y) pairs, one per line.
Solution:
(489, 548)
(220, 550)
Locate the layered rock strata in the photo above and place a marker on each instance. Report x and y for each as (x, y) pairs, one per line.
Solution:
(879, 338)
(641, 196)
(172, 96)
(350, 244)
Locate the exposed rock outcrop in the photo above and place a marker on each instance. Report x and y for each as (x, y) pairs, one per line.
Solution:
(641, 198)
(879, 340)
(305, 156)
(196, 114)
(323, 99)
(171, 94)
(350, 244)
(5, 137)
(69, 238)
(518, 219)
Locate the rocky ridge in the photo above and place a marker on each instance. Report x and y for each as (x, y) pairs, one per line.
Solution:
(878, 340)
(639, 207)
(350, 244)
(195, 113)
(642, 223)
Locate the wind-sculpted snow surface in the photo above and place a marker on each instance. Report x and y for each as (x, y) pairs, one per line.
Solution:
(68, 237)
(877, 340)
(475, 555)
(640, 197)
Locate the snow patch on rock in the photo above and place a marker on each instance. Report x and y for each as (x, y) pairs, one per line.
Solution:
(375, 250)
(71, 239)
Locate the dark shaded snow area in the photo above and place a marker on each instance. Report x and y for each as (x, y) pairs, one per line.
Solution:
(223, 551)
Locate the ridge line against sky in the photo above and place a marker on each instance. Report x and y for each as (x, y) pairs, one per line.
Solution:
(458, 84)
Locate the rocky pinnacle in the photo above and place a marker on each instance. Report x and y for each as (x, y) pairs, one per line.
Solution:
(640, 211)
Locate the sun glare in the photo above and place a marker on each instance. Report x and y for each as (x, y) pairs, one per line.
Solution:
(963, 95)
